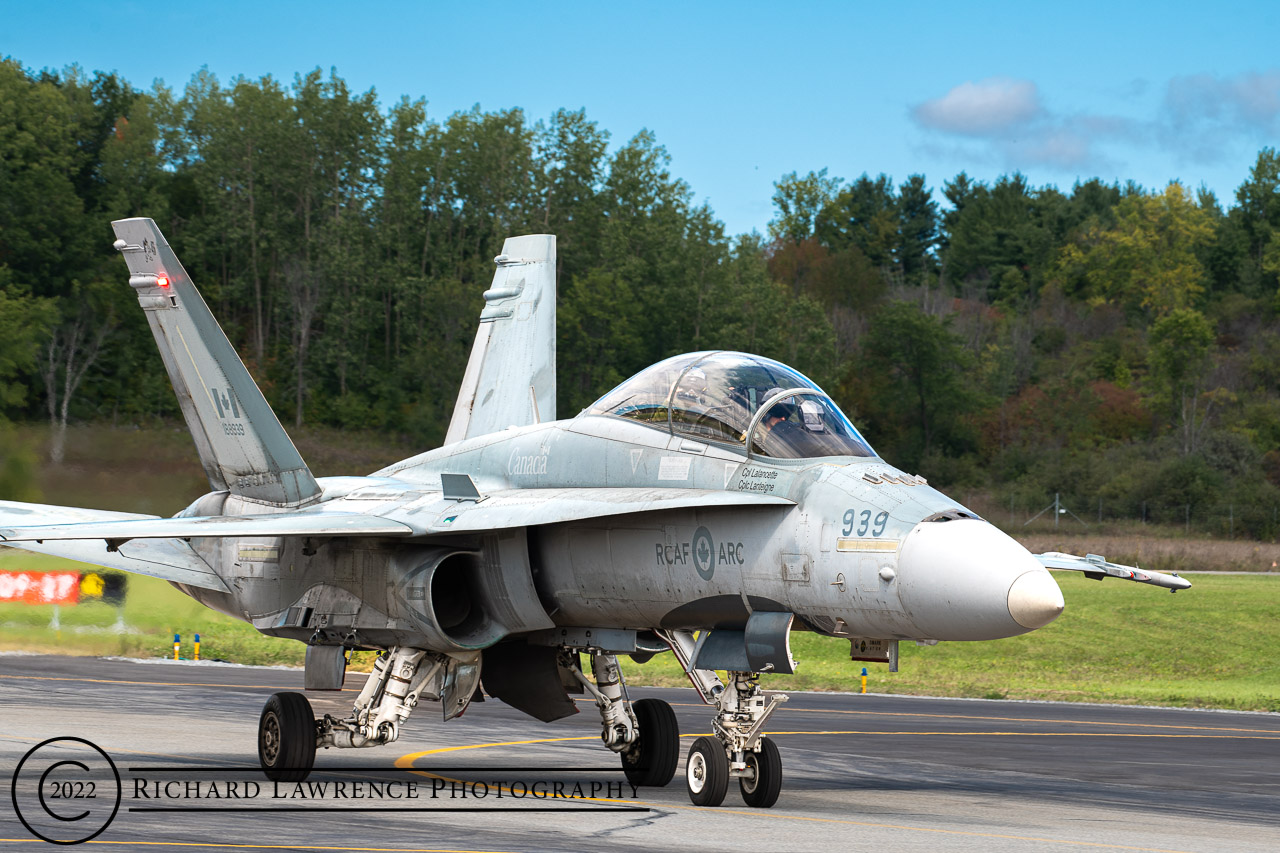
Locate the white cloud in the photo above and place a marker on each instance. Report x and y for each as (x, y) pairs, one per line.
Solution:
(1007, 123)
(1204, 115)
(988, 107)
(1251, 99)
(1058, 146)
(1202, 118)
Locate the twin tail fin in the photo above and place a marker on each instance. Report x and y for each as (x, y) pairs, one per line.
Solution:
(242, 445)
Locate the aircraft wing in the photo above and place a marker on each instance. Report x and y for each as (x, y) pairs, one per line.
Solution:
(151, 527)
(529, 507)
(37, 527)
(1097, 567)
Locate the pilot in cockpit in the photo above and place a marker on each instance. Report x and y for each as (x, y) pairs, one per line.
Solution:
(794, 430)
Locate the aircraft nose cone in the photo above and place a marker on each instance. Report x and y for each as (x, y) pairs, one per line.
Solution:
(967, 580)
(1034, 599)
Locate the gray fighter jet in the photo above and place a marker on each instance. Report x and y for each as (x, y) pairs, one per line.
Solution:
(705, 507)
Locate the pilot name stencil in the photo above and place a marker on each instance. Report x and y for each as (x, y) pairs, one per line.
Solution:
(757, 480)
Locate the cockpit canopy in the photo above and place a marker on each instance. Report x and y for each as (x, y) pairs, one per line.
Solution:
(728, 397)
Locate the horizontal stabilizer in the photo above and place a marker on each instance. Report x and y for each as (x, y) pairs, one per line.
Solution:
(1098, 567)
(167, 559)
(17, 513)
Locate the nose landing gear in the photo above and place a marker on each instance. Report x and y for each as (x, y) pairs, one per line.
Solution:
(761, 788)
(739, 749)
(707, 772)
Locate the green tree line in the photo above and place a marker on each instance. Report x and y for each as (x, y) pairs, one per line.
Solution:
(1108, 341)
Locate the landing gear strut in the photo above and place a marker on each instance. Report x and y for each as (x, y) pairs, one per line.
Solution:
(289, 734)
(739, 749)
(644, 733)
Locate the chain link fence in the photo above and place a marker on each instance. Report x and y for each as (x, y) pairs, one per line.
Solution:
(1058, 512)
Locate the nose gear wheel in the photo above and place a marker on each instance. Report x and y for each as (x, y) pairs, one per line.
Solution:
(707, 772)
(760, 788)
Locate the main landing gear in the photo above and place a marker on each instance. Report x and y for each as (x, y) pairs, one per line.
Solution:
(287, 737)
(289, 734)
(644, 733)
(739, 748)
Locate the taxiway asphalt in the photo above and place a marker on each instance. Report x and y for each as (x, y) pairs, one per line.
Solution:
(871, 772)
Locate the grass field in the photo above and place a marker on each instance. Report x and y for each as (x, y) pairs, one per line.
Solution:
(155, 469)
(153, 612)
(1216, 645)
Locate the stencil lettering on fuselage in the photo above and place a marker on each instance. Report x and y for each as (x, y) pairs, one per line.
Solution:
(753, 479)
(702, 552)
(531, 465)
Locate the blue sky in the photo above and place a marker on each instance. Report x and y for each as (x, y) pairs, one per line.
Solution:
(741, 93)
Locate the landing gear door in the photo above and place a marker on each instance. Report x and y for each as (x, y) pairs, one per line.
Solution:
(461, 677)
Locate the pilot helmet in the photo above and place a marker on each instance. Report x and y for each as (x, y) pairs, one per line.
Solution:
(783, 409)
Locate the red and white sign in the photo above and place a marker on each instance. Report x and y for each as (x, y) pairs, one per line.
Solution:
(40, 587)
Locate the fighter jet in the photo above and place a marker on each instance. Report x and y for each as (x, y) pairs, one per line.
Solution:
(706, 507)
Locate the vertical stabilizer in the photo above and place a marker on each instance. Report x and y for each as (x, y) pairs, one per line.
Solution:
(242, 446)
(511, 375)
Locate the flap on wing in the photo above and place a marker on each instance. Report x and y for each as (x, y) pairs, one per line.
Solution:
(1096, 566)
(276, 524)
(529, 507)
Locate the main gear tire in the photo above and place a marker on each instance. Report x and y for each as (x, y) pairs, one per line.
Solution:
(762, 788)
(652, 760)
(287, 738)
(707, 772)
